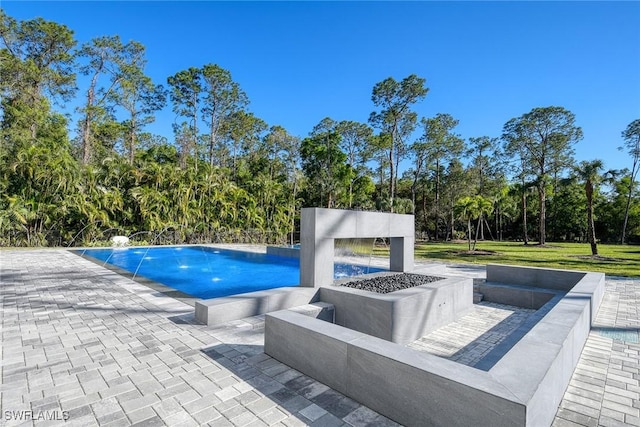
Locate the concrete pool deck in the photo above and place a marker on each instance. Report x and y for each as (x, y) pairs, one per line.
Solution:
(82, 342)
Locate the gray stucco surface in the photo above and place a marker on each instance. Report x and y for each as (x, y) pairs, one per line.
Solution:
(320, 227)
(522, 388)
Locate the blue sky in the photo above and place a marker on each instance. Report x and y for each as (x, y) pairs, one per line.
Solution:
(484, 62)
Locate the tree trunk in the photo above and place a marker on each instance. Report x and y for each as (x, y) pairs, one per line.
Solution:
(592, 231)
(391, 181)
(524, 217)
(453, 228)
(475, 240)
(626, 211)
(86, 131)
(486, 223)
(437, 201)
(132, 140)
(543, 214)
(413, 199)
(293, 209)
(350, 193)
(425, 215)
(212, 137)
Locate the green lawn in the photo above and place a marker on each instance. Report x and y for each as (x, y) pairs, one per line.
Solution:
(616, 260)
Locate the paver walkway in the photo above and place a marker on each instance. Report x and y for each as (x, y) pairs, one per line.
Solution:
(83, 343)
(605, 387)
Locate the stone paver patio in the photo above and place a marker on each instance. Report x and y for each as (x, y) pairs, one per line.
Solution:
(473, 336)
(83, 343)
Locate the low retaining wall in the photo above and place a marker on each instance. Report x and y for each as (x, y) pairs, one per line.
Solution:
(407, 386)
(523, 388)
(215, 311)
(518, 295)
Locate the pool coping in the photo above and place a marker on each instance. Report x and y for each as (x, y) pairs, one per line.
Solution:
(152, 284)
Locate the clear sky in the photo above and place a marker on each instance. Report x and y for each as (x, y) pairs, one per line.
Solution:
(298, 62)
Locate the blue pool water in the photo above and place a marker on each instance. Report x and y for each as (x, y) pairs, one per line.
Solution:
(205, 272)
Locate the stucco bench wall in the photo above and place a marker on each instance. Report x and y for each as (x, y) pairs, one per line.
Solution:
(578, 283)
(524, 387)
(216, 311)
(407, 386)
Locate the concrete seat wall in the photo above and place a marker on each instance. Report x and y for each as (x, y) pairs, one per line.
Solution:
(412, 388)
(524, 387)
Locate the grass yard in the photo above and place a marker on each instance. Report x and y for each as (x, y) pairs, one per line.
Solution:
(615, 260)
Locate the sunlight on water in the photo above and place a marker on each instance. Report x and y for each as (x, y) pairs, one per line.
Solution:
(207, 273)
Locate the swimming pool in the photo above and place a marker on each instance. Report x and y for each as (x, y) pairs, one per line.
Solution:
(205, 272)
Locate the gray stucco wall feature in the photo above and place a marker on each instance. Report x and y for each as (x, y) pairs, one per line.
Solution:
(289, 336)
(520, 296)
(562, 280)
(320, 227)
(319, 310)
(523, 387)
(413, 388)
(419, 389)
(215, 311)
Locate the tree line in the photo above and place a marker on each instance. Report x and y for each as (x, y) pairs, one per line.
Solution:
(227, 175)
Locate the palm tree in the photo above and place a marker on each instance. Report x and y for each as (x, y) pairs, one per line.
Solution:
(589, 172)
(484, 209)
(467, 208)
(470, 208)
(631, 136)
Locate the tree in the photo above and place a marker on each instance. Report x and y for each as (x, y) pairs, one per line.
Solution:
(612, 214)
(324, 166)
(278, 144)
(631, 136)
(35, 62)
(245, 131)
(440, 144)
(396, 119)
(186, 87)
(378, 147)
(473, 207)
(486, 174)
(354, 142)
(222, 98)
(456, 183)
(104, 56)
(185, 142)
(140, 97)
(542, 136)
(515, 148)
(589, 173)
